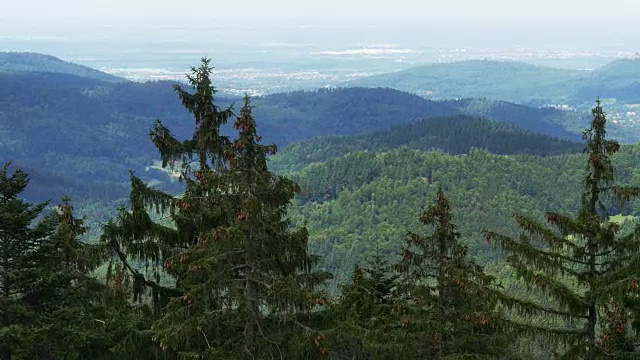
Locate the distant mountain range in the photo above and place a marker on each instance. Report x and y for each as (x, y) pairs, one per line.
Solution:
(515, 81)
(79, 131)
(511, 81)
(295, 116)
(12, 62)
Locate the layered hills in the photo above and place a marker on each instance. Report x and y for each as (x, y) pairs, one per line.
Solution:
(515, 82)
(82, 131)
(457, 134)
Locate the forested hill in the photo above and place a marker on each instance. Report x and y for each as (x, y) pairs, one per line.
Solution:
(515, 81)
(619, 79)
(505, 80)
(348, 111)
(12, 62)
(86, 131)
(363, 200)
(451, 134)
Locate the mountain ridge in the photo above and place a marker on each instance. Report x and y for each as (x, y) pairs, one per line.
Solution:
(12, 62)
(456, 134)
(513, 81)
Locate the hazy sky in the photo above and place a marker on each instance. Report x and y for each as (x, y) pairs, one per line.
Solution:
(600, 9)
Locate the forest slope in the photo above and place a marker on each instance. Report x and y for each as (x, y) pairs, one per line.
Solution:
(452, 134)
(361, 200)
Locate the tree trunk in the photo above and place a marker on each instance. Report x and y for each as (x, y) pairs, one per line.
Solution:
(594, 195)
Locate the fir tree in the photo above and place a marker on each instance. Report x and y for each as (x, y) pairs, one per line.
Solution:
(20, 240)
(584, 266)
(241, 274)
(139, 247)
(134, 235)
(246, 279)
(127, 324)
(449, 308)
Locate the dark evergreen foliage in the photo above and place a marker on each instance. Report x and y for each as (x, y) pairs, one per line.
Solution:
(50, 306)
(20, 240)
(584, 267)
(66, 297)
(247, 278)
(447, 299)
(240, 272)
(451, 134)
(363, 322)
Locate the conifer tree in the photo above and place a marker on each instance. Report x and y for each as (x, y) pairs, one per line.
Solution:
(245, 279)
(238, 267)
(449, 310)
(20, 240)
(127, 324)
(583, 265)
(50, 304)
(135, 240)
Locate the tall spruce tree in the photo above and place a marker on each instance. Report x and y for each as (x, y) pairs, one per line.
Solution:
(583, 266)
(50, 305)
(241, 275)
(138, 242)
(246, 279)
(20, 239)
(449, 308)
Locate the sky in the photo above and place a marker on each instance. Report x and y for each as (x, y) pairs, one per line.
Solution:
(455, 9)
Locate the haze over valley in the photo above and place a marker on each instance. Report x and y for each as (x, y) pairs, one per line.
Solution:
(291, 53)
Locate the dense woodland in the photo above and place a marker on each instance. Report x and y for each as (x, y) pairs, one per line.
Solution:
(398, 244)
(350, 201)
(451, 134)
